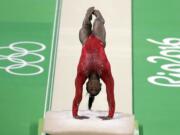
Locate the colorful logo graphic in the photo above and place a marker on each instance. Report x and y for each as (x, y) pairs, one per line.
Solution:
(22, 58)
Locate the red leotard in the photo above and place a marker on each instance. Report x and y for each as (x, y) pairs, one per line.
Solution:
(93, 60)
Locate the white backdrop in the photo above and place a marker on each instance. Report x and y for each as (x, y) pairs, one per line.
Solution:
(117, 14)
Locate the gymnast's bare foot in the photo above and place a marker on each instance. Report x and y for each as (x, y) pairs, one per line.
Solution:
(97, 13)
(89, 13)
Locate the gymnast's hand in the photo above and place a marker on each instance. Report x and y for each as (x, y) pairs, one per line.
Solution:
(81, 117)
(105, 117)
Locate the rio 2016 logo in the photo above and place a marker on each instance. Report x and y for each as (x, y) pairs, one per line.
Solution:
(170, 54)
(19, 50)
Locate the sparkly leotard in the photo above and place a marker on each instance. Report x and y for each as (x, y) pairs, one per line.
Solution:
(93, 60)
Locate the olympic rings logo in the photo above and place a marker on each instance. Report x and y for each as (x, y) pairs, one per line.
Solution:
(20, 51)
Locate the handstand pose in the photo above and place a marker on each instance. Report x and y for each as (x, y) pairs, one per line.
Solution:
(93, 64)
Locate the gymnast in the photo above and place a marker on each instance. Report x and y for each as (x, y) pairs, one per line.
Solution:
(93, 64)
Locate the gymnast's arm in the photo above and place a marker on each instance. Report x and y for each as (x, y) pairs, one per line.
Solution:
(109, 82)
(79, 81)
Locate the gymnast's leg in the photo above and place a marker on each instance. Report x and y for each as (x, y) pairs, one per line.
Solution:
(85, 31)
(98, 26)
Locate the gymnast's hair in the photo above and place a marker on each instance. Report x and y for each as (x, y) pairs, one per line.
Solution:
(90, 102)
